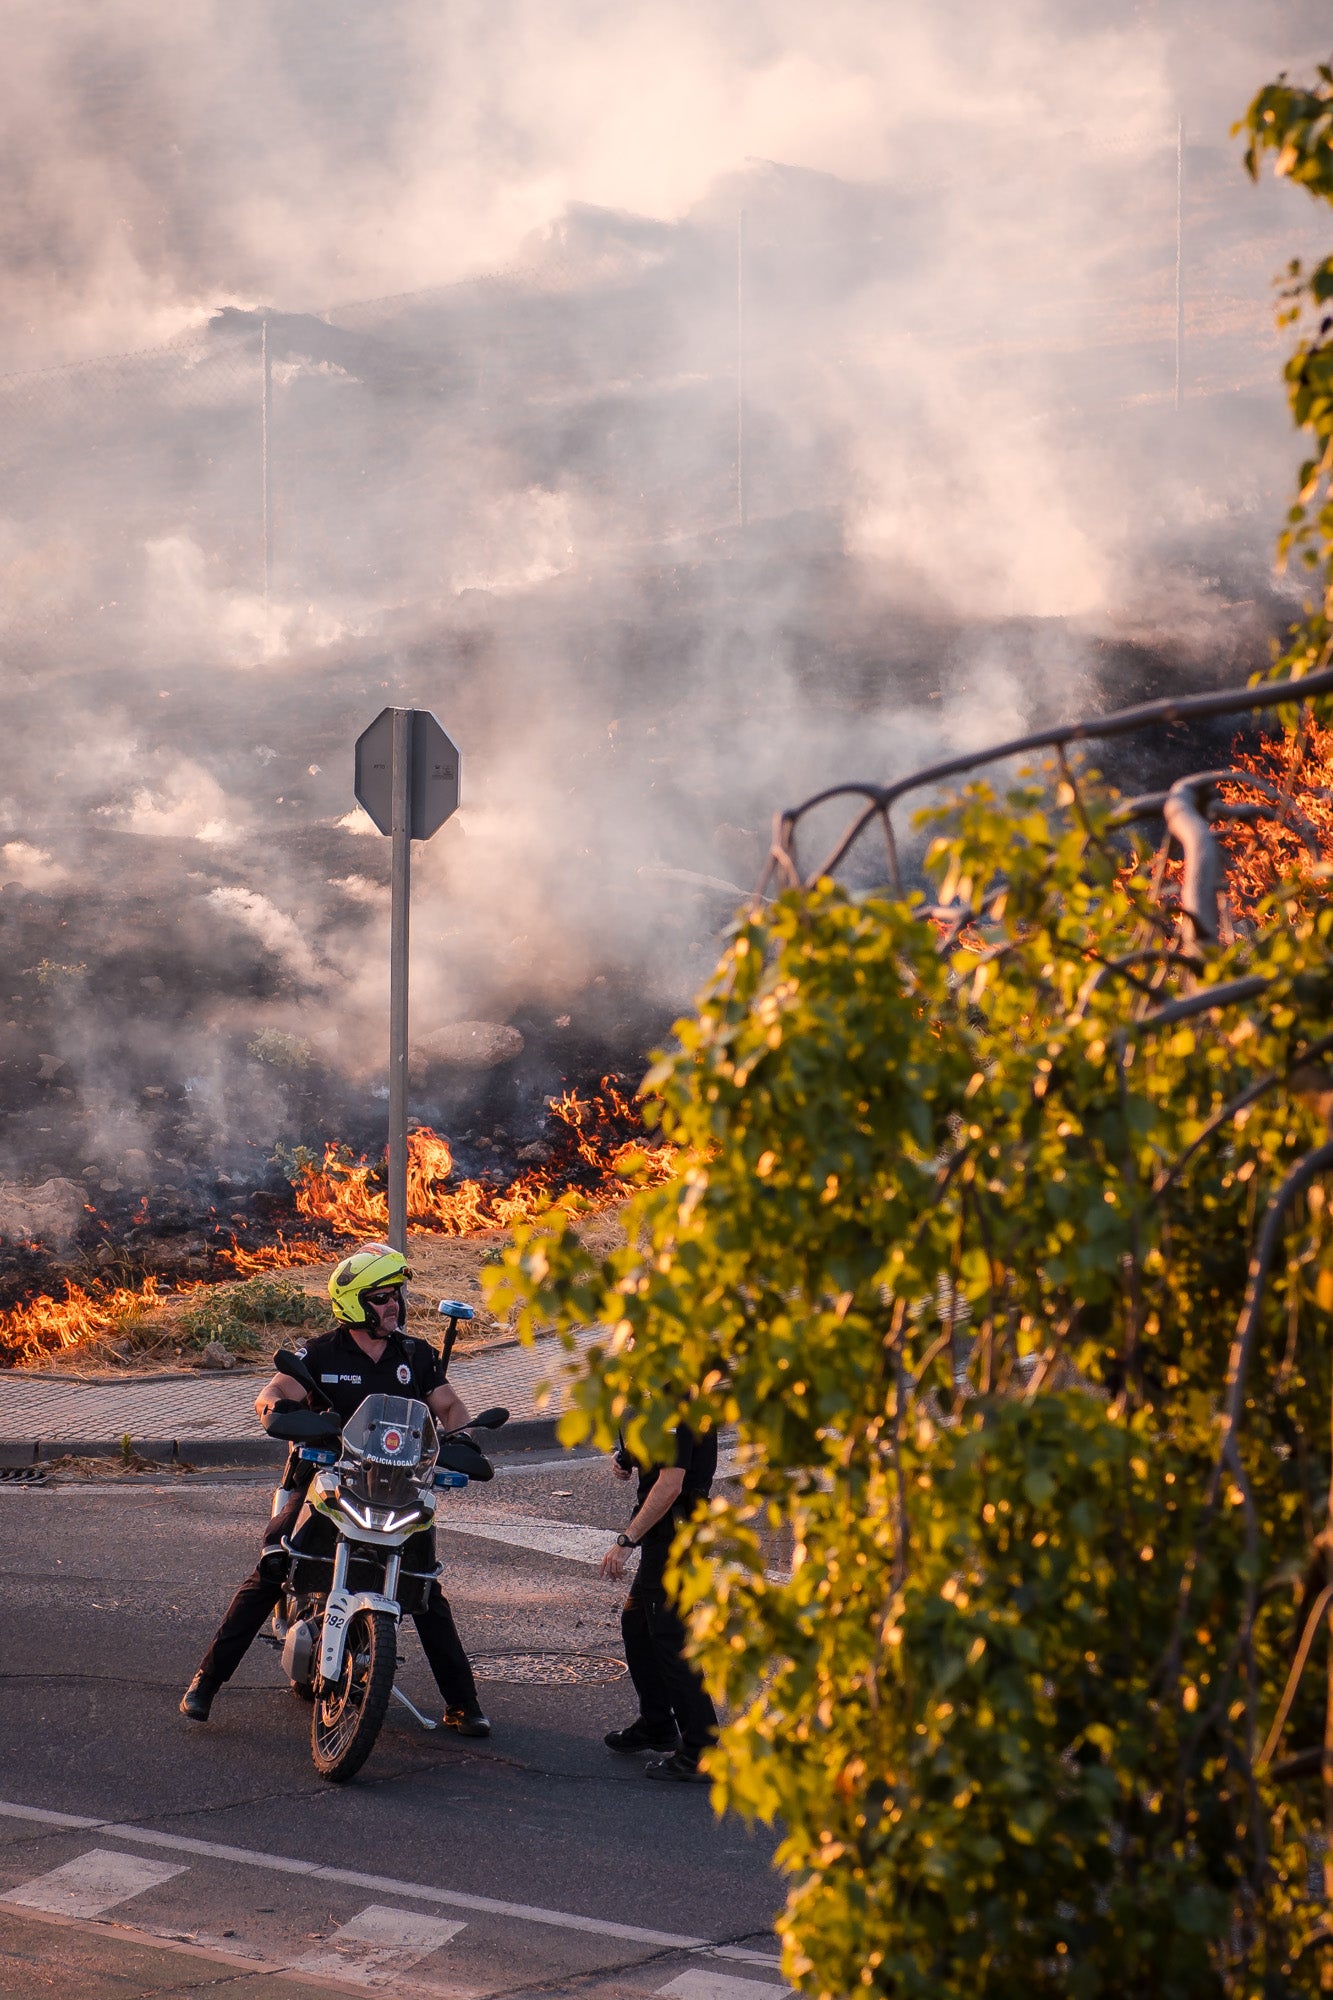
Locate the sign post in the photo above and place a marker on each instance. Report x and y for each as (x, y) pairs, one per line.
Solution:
(407, 780)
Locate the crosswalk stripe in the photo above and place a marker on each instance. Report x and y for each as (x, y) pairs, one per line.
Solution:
(379, 1944)
(97, 1881)
(701, 1985)
(385, 1885)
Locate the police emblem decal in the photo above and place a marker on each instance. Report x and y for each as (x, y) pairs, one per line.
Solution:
(393, 1440)
(404, 1373)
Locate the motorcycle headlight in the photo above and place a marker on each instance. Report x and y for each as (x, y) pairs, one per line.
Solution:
(379, 1520)
(404, 1518)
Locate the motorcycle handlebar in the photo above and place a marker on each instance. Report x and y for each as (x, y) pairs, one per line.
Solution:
(301, 1426)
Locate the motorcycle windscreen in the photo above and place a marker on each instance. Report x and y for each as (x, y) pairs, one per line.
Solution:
(389, 1448)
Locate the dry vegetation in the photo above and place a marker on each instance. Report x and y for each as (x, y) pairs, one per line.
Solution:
(147, 1334)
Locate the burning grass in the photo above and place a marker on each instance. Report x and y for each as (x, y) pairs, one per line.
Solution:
(48, 1325)
(595, 1147)
(279, 1256)
(1299, 764)
(1289, 846)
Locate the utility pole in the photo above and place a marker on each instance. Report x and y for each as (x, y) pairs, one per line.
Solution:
(740, 369)
(1180, 257)
(266, 403)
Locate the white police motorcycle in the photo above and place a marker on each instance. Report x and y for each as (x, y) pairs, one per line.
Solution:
(362, 1552)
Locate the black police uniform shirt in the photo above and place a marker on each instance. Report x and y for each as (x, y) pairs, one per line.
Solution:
(698, 1457)
(347, 1375)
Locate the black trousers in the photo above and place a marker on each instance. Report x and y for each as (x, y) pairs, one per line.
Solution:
(258, 1596)
(668, 1687)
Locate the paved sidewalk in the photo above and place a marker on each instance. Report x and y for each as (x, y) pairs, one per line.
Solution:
(210, 1418)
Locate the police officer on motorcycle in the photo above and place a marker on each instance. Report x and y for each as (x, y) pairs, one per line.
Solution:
(367, 1353)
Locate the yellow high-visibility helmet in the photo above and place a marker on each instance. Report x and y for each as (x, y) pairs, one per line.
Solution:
(372, 1268)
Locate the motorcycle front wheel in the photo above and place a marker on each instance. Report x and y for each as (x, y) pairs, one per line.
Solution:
(345, 1722)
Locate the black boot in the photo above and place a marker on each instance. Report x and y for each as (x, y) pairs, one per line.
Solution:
(681, 1768)
(198, 1697)
(643, 1735)
(467, 1721)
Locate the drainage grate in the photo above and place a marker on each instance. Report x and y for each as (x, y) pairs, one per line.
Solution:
(24, 1475)
(548, 1669)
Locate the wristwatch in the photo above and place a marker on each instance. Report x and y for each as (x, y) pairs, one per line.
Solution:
(626, 1542)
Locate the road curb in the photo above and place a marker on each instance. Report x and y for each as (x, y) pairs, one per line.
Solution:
(534, 1434)
(207, 1419)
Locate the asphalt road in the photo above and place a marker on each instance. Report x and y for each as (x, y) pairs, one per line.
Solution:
(142, 1854)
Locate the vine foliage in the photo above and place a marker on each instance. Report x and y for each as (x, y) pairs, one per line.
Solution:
(1002, 1237)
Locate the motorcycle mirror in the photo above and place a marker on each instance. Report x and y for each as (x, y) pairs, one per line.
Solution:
(455, 1309)
(489, 1420)
(291, 1364)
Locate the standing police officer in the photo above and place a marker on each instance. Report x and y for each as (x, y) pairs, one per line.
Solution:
(675, 1713)
(366, 1354)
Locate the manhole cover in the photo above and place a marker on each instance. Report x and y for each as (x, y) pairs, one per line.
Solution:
(548, 1669)
(23, 1475)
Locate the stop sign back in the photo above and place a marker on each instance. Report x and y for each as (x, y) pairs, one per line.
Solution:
(433, 773)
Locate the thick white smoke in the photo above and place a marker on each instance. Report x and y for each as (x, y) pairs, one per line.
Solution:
(935, 249)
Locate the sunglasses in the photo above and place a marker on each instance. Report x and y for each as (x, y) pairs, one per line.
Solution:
(383, 1298)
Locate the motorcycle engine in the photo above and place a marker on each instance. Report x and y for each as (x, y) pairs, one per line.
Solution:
(298, 1652)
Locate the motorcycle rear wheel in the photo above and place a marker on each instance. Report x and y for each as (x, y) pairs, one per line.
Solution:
(345, 1722)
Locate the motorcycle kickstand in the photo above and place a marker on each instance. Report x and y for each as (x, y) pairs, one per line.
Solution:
(412, 1708)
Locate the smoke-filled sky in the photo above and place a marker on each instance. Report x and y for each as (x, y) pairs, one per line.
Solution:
(512, 256)
(161, 159)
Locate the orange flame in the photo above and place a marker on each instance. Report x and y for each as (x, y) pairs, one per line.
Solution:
(280, 1256)
(45, 1325)
(1300, 764)
(591, 1152)
(595, 1145)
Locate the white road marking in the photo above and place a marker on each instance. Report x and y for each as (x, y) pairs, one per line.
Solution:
(574, 1541)
(740, 1955)
(215, 1951)
(282, 1864)
(516, 1470)
(700, 1985)
(97, 1881)
(379, 1944)
(569, 1539)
